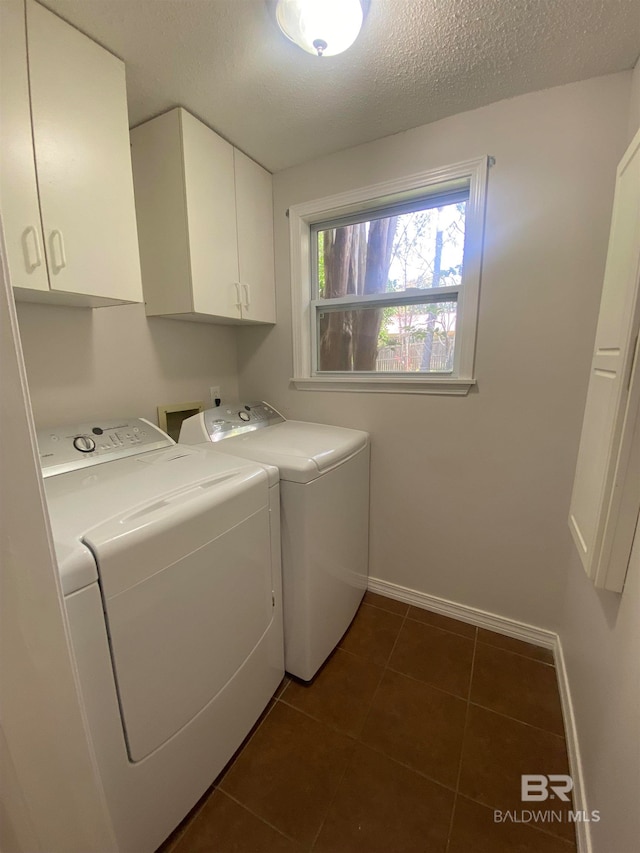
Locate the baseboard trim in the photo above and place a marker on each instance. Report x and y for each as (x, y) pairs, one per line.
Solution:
(472, 615)
(520, 631)
(583, 831)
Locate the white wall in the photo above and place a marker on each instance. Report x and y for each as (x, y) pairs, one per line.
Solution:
(470, 495)
(110, 362)
(600, 634)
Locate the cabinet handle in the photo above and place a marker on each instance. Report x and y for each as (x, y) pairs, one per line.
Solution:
(247, 296)
(236, 284)
(59, 259)
(31, 248)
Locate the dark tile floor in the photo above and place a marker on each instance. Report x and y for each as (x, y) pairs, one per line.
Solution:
(415, 730)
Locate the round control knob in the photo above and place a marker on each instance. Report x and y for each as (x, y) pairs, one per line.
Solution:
(84, 444)
(244, 416)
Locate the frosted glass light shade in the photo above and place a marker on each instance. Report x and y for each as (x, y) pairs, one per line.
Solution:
(321, 27)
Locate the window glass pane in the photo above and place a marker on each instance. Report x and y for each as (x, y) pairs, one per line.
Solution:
(421, 249)
(417, 338)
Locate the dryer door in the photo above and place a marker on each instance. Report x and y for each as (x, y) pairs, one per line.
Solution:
(187, 592)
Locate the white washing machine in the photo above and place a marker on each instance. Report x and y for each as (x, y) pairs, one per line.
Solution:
(324, 493)
(169, 558)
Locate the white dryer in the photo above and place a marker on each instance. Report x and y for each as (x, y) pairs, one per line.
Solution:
(324, 493)
(169, 559)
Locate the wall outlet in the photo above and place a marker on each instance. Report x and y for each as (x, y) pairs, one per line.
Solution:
(214, 394)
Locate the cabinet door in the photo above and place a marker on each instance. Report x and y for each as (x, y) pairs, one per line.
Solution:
(163, 235)
(211, 217)
(18, 188)
(606, 441)
(81, 139)
(254, 201)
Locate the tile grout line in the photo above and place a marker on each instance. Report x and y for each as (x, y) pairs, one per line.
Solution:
(376, 749)
(464, 732)
(440, 628)
(191, 818)
(395, 642)
(518, 654)
(466, 636)
(406, 766)
(309, 716)
(332, 800)
(364, 722)
(257, 726)
(261, 819)
(429, 684)
(513, 719)
(422, 622)
(192, 815)
(439, 689)
(522, 722)
(383, 667)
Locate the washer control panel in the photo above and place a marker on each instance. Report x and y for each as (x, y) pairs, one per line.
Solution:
(67, 448)
(237, 418)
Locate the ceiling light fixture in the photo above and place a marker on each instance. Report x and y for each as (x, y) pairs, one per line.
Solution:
(321, 27)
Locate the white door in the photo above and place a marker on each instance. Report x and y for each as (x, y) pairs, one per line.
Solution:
(187, 587)
(81, 139)
(604, 455)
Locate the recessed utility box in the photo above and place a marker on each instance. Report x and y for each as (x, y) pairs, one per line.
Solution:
(170, 417)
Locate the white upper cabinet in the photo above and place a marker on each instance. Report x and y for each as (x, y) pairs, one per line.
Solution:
(606, 497)
(205, 224)
(66, 186)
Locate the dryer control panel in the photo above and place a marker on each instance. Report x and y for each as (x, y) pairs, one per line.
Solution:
(237, 418)
(67, 448)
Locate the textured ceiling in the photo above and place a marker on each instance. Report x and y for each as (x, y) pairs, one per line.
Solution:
(415, 61)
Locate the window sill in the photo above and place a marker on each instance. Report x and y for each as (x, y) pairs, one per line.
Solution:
(385, 385)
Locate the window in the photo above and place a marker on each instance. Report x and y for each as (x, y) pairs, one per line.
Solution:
(385, 284)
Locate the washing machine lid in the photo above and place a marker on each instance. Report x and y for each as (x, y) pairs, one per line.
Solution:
(124, 495)
(302, 451)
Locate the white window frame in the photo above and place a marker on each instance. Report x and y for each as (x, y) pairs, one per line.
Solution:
(471, 173)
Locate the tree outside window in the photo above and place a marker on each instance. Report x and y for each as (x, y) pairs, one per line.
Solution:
(414, 255)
